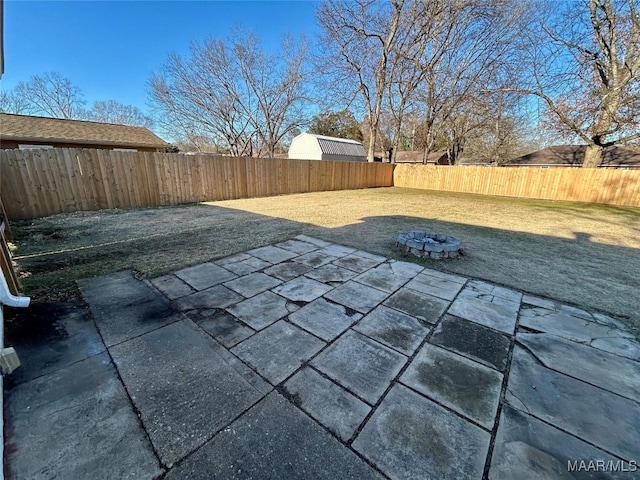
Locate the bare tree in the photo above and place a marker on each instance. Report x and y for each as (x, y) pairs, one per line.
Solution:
(200, 97)
(110, 111)
(358, 41)
(466, 59)
(585, 66)
(52, 95)
(12, 103)
(233, 93)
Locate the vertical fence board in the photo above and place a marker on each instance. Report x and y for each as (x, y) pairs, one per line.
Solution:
(37, 183)
(616, 187)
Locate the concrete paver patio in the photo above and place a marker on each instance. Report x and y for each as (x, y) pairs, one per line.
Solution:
(307, 359)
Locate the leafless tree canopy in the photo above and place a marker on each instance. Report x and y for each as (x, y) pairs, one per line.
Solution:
(359, 39)
(233, 93)
(49, 94)
(52, 95)
(110, 111)
(415, 63)
(585, 66)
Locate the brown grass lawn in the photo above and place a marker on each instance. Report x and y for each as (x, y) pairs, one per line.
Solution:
(582, 254)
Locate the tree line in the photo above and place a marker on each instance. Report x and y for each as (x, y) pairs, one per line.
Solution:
(460, 75)
(53, 95)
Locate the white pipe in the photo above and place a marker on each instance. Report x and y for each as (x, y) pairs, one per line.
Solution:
(7, 298)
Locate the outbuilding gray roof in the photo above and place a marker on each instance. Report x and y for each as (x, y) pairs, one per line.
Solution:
(340, 146)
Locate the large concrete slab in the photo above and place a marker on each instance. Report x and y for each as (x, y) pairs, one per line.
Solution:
(315, 259)
(235, 258)
(624, 347)
(184, 390)
(405, 269)
(393, 329)
(272, 254)
(605, 370)
(328, 403)
(278, 351)
(331, 273)
(479, 343)
(222, 326)
(601, 418)
(410, 436)
(124, 307)
(302, 289)
(358, 263)
(312, 240)
(445, 276)
(324, 319)
(461, 384)
(383, 277)
(528, 449)
(214, 297)
(297, 246)
(287, 270)
(361, 365)
(357, 296)
(337, 250)
(172, 287)
(476, 302)
(262, 310)
(274, 441)
(419, 305)
(442, 285)
(252, 284)
(76, 423)
(567, 326)
(50, 336)
(371, 256)
(496, 292)
(204, 275)
(247, 265)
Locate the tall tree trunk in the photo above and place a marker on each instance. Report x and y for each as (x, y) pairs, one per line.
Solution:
(372, 142)
(592, 156)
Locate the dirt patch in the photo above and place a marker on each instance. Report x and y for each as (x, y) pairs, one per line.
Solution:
(582, 254)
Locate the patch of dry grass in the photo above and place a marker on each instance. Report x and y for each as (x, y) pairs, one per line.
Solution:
(587, 255)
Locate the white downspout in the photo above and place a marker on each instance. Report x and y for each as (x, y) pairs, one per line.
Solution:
(6, 298)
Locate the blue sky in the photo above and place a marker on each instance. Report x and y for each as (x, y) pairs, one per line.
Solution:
(109, 49)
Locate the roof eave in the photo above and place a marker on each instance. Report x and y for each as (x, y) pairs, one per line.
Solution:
(17, 138)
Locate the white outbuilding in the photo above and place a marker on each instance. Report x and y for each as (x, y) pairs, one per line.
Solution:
(308, 146)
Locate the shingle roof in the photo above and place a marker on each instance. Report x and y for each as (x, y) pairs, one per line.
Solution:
(572, 155)
(339, 146)
(42, 129)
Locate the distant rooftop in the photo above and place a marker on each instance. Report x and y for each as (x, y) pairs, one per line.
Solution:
(339, 146)
(26, 128)
(573, 155)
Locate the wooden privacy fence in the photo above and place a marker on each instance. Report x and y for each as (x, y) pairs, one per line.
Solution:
(6, 264)
(36, 183)
(614, 187)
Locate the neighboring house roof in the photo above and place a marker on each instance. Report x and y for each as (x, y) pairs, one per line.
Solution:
(439, 157)
(27, 128)
(336, 146)
(572, 155)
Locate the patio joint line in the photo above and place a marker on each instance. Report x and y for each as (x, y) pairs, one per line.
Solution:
(208, 439)
(282, 390)
(396, 379)
(503, 393)
(540, 363)
(134, 407)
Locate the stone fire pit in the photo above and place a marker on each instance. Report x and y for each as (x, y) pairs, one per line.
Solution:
(429, 244)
